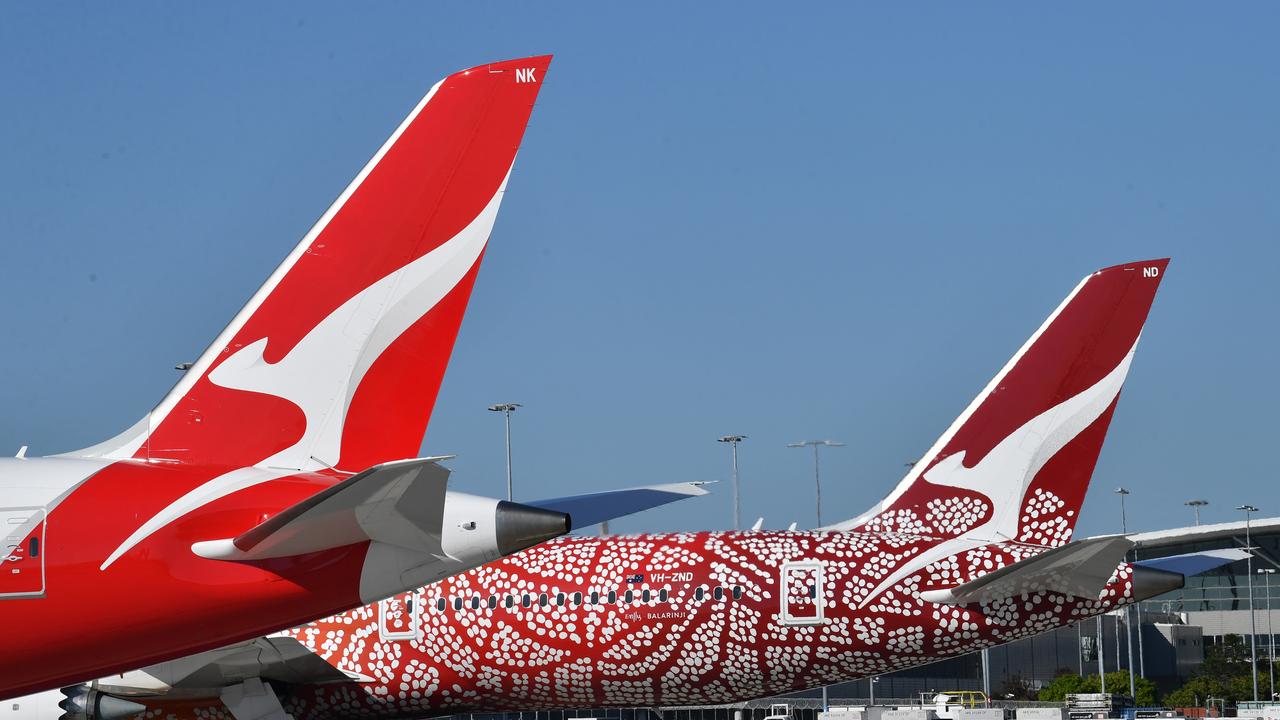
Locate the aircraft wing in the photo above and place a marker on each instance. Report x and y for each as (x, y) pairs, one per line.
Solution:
(1196, 562)
(597, 507)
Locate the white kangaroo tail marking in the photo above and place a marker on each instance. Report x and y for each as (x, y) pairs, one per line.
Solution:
(323, 371)
(1006, 472)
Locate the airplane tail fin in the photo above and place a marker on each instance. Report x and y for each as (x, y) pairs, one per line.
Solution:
(336, 361)
(1015, 465)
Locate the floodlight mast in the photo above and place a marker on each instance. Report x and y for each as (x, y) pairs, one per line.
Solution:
(1124, 524)
(1128, 624)
(817, 496)
(1195, 506)
(506, 409)
(1271, 637)
(817, 475)
(733, 441)
(1102, 657)
(1248, 511)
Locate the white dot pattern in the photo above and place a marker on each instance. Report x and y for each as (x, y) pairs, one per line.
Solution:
(693, 647)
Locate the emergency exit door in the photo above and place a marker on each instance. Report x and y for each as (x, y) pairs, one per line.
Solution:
(801, 595)
(398, 617)
(21, 551)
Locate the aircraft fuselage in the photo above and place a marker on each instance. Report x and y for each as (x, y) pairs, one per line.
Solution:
(666, 620)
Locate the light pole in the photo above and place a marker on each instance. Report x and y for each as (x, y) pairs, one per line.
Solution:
(817, 477)
(1271, 637)
(986, 672)
(1080, 646)
(1137, 618)
(1195, 506)
(1124, 525)
(817, 494)
(1128, 624)
(506, 409)
(1116, 614)
(733, 441)
(1102, 659)
(1248, 511)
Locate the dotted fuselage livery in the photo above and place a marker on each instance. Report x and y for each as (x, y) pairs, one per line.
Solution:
(754, 618)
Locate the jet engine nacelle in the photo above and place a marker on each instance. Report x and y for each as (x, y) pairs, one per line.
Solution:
(479, 529)
(78, 702)
(472, 530)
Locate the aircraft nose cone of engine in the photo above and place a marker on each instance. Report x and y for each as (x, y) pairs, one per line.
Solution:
(522, 526)
(114, 708)
(1149, 582)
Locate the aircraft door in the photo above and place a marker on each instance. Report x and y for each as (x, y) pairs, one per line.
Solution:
(21, 552)
(398, 617)
(801, 595)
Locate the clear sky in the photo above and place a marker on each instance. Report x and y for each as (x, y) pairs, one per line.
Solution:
(791, 222)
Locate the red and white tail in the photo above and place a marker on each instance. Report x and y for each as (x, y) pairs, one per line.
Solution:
(1016, 464)
(336, 361)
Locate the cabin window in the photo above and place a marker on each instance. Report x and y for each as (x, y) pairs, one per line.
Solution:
(595, 597)
(699, 593)
(577, 599)
(718, 594)
(542, 600)
(629, 597)
(644, 595)
(526, 600)
(493, 601)
(662, 595)
(510, 602)
(560, 599)
(475, 602)
(457, 603)
(737, 592)
(441, 604)
(613, 596)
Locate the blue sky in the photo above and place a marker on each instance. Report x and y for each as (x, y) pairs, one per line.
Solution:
(830, 221)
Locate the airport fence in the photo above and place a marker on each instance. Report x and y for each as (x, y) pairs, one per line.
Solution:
(799, 708)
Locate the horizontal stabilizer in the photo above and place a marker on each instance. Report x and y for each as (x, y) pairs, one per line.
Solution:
(1080, 569)
(1196, 562)
(594, 508)
(400, 503)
